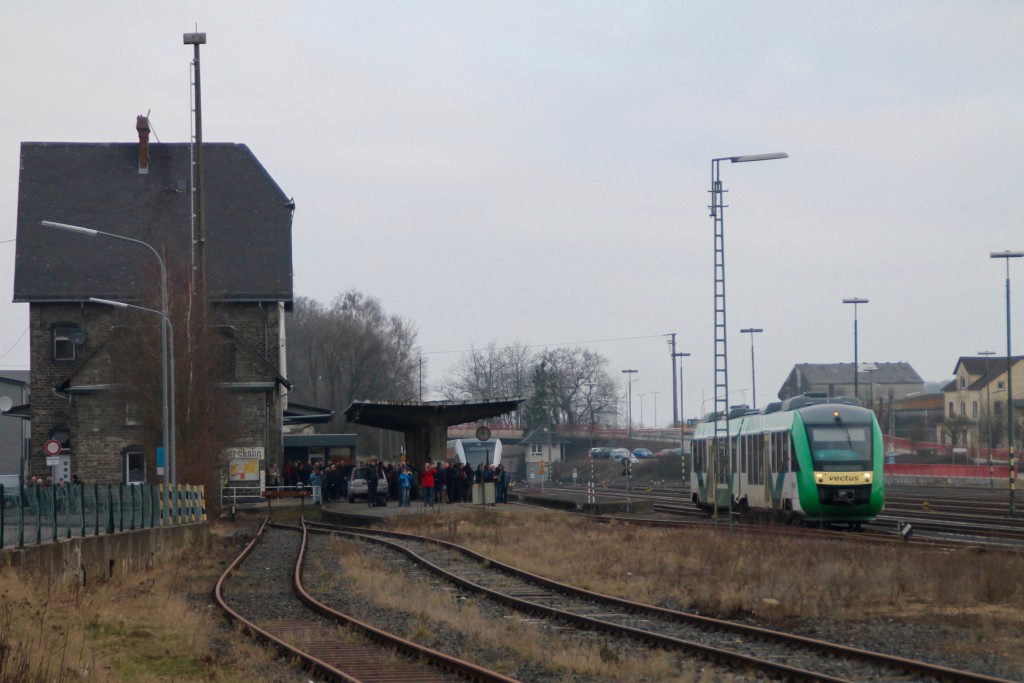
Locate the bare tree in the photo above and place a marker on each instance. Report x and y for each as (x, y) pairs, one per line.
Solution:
(351, 350)
(206, 416)
(492, 372)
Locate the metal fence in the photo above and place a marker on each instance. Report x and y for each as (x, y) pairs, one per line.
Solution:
(36, 514)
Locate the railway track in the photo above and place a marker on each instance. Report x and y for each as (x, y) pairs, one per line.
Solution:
(758, 651)
(262, 591)
(949, 517)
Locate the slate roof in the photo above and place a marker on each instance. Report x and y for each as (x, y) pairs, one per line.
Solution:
(98, 186)
(977, 365)
(842, 373)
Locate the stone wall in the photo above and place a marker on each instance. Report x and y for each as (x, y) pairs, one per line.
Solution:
(99, 558)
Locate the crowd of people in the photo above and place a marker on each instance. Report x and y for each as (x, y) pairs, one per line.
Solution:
(439, 483)
(326, 482)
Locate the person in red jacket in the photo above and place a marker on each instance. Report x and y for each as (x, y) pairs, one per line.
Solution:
(427, 484)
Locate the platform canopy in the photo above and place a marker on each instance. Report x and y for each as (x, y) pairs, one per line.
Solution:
(425, 423)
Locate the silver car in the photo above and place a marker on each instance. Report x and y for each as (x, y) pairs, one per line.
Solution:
(357, 487)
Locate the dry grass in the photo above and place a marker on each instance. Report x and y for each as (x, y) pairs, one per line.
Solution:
(508, 641)
(152, 626)
(161, 626)
(779, 581)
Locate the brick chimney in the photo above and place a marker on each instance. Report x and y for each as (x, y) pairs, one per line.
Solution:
(142, 125)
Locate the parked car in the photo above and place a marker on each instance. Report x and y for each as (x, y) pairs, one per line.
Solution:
(643, 453)
(621, 455)
(357, 486)
(665, 452)
(597, 453)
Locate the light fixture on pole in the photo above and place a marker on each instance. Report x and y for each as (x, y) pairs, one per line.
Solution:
(168, 408)
(753, 377)
(682, 413)
(167, 380)
(988, 415)
(856, 301)
(1007, 255)
(629, 405)
(675, 389)
(655, 395)
(721, 350)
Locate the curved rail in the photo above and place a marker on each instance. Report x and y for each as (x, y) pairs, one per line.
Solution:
(890, 662)
(365, 662)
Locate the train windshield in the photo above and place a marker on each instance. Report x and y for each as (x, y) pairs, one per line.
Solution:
(840, 447)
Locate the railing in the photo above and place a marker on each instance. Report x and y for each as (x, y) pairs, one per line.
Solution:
(231, 497)
(31, 515)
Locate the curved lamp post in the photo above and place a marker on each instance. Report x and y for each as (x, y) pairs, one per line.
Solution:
(856, 301)
(168, 378)
(753, 377)
(988, 414)
(170, 475)
(721, 355)
(629, 406)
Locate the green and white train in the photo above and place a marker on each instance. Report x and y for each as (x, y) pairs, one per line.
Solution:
(812, 459)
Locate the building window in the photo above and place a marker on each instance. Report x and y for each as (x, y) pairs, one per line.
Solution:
(963, 382)
(997, 407)
(131, 414)
(1000, 386)
(68, 339)
(963, 409)
(134, 465)
(536, 450)
(951, 413)
(975, 409)
(63, 436)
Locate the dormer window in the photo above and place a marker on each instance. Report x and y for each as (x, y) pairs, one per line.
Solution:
(963, 382)
(68, 339)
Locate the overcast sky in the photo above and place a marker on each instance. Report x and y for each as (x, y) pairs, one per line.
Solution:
(539, 171)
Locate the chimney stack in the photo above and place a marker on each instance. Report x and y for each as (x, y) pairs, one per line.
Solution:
(142, 125)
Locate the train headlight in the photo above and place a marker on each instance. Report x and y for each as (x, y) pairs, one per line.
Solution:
(820, 478)
(867, 477)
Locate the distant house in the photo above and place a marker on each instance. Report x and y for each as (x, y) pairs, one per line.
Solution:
(915, 417)
(14, 426)
(876, 383)
(144, 192)
(543, 446)
(975, 401)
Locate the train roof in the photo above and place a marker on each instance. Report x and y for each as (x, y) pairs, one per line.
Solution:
(795, 403)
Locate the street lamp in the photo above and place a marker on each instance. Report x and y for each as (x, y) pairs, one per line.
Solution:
(988, 415)
(167, 421)
(168, 379)
(655, 395)
(682, 413)
(641, 397)
(629, 405)
(856, 302)
(1007, 255)
(721, 353)
(753, 381)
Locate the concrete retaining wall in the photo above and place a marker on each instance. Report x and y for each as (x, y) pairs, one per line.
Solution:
(98, 558)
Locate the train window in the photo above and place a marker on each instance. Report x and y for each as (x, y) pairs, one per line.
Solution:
(843, 447)
(794, 462)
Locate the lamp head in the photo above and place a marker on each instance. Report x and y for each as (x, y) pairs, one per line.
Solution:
(69, 228)
(758, 157)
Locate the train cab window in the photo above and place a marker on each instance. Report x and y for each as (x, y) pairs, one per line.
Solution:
(842, 447)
